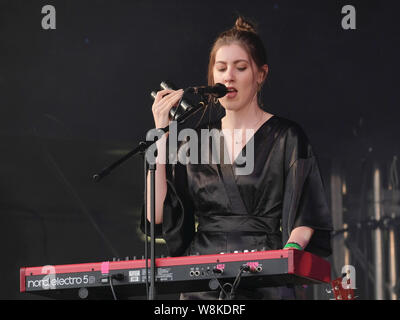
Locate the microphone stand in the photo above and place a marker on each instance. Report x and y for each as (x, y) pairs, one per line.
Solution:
(142, 148)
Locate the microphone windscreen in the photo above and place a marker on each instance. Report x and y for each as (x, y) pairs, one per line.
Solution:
(220, 90)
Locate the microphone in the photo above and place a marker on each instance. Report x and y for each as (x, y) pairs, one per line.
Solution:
(176, 113)
(217, 91)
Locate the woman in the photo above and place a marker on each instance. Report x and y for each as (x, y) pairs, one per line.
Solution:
(280, 204)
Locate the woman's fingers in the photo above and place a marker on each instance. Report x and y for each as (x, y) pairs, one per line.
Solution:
(165, 96)
(172, 99)
(161, 94)
(169, 100)
(164, 101)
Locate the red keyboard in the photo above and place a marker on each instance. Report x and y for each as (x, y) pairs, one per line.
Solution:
(176, 274)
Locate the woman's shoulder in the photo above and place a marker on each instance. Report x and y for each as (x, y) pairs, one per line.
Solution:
(290, 128)
(296, 142)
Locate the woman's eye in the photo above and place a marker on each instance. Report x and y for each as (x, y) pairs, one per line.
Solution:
(221, 70)
(241, 68)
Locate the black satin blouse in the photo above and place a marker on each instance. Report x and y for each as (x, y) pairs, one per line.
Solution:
(202, 213)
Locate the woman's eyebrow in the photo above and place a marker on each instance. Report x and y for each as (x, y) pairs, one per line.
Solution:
(236, 61)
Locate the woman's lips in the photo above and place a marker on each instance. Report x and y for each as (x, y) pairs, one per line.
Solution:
(232, 92)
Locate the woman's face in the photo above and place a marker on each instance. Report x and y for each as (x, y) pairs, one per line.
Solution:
(237, 71)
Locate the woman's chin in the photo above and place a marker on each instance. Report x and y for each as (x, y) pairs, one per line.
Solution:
(231, 106)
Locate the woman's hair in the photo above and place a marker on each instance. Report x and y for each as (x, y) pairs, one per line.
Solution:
(244, 34)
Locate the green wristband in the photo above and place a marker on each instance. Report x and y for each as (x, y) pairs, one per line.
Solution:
(293, 245)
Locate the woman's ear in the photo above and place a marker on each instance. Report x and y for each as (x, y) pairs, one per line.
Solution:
(263, 73)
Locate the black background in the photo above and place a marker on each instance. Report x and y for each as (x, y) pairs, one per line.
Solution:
(74, 99)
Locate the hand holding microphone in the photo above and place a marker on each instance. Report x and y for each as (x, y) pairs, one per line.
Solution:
(165, 109)
(164, 100)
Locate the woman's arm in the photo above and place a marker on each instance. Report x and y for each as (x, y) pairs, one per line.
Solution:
(301, 235)
(164, 101)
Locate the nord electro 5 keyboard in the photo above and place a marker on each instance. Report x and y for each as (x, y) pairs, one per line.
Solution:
(175, 274)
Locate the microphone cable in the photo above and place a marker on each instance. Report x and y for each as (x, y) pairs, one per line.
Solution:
(237, 280)
(110, 279)
(118, 277)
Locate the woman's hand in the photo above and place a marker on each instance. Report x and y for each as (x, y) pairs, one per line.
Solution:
(301, 235)
(164, 101)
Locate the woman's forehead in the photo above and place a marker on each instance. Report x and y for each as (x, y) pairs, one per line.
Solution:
(231, 53)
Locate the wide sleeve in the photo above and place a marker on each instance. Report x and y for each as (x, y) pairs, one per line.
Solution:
(178, 226)
(304, 202)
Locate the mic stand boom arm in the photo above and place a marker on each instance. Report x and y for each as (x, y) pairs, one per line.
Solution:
(142, 147)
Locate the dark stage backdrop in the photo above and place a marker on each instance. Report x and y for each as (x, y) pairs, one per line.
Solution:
(75, 99)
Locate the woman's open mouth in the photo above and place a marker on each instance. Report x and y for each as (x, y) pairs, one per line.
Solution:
(232, 92)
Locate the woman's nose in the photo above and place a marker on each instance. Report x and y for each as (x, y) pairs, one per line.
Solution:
(229, 75)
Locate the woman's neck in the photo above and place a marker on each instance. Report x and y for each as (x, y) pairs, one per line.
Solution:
(247, 117)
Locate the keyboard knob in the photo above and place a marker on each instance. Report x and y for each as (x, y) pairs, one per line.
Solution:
(83, 293)
(213, 284)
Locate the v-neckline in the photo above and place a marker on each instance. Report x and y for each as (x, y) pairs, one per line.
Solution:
(245, 145)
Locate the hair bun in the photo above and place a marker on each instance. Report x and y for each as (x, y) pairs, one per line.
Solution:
(242, 24)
